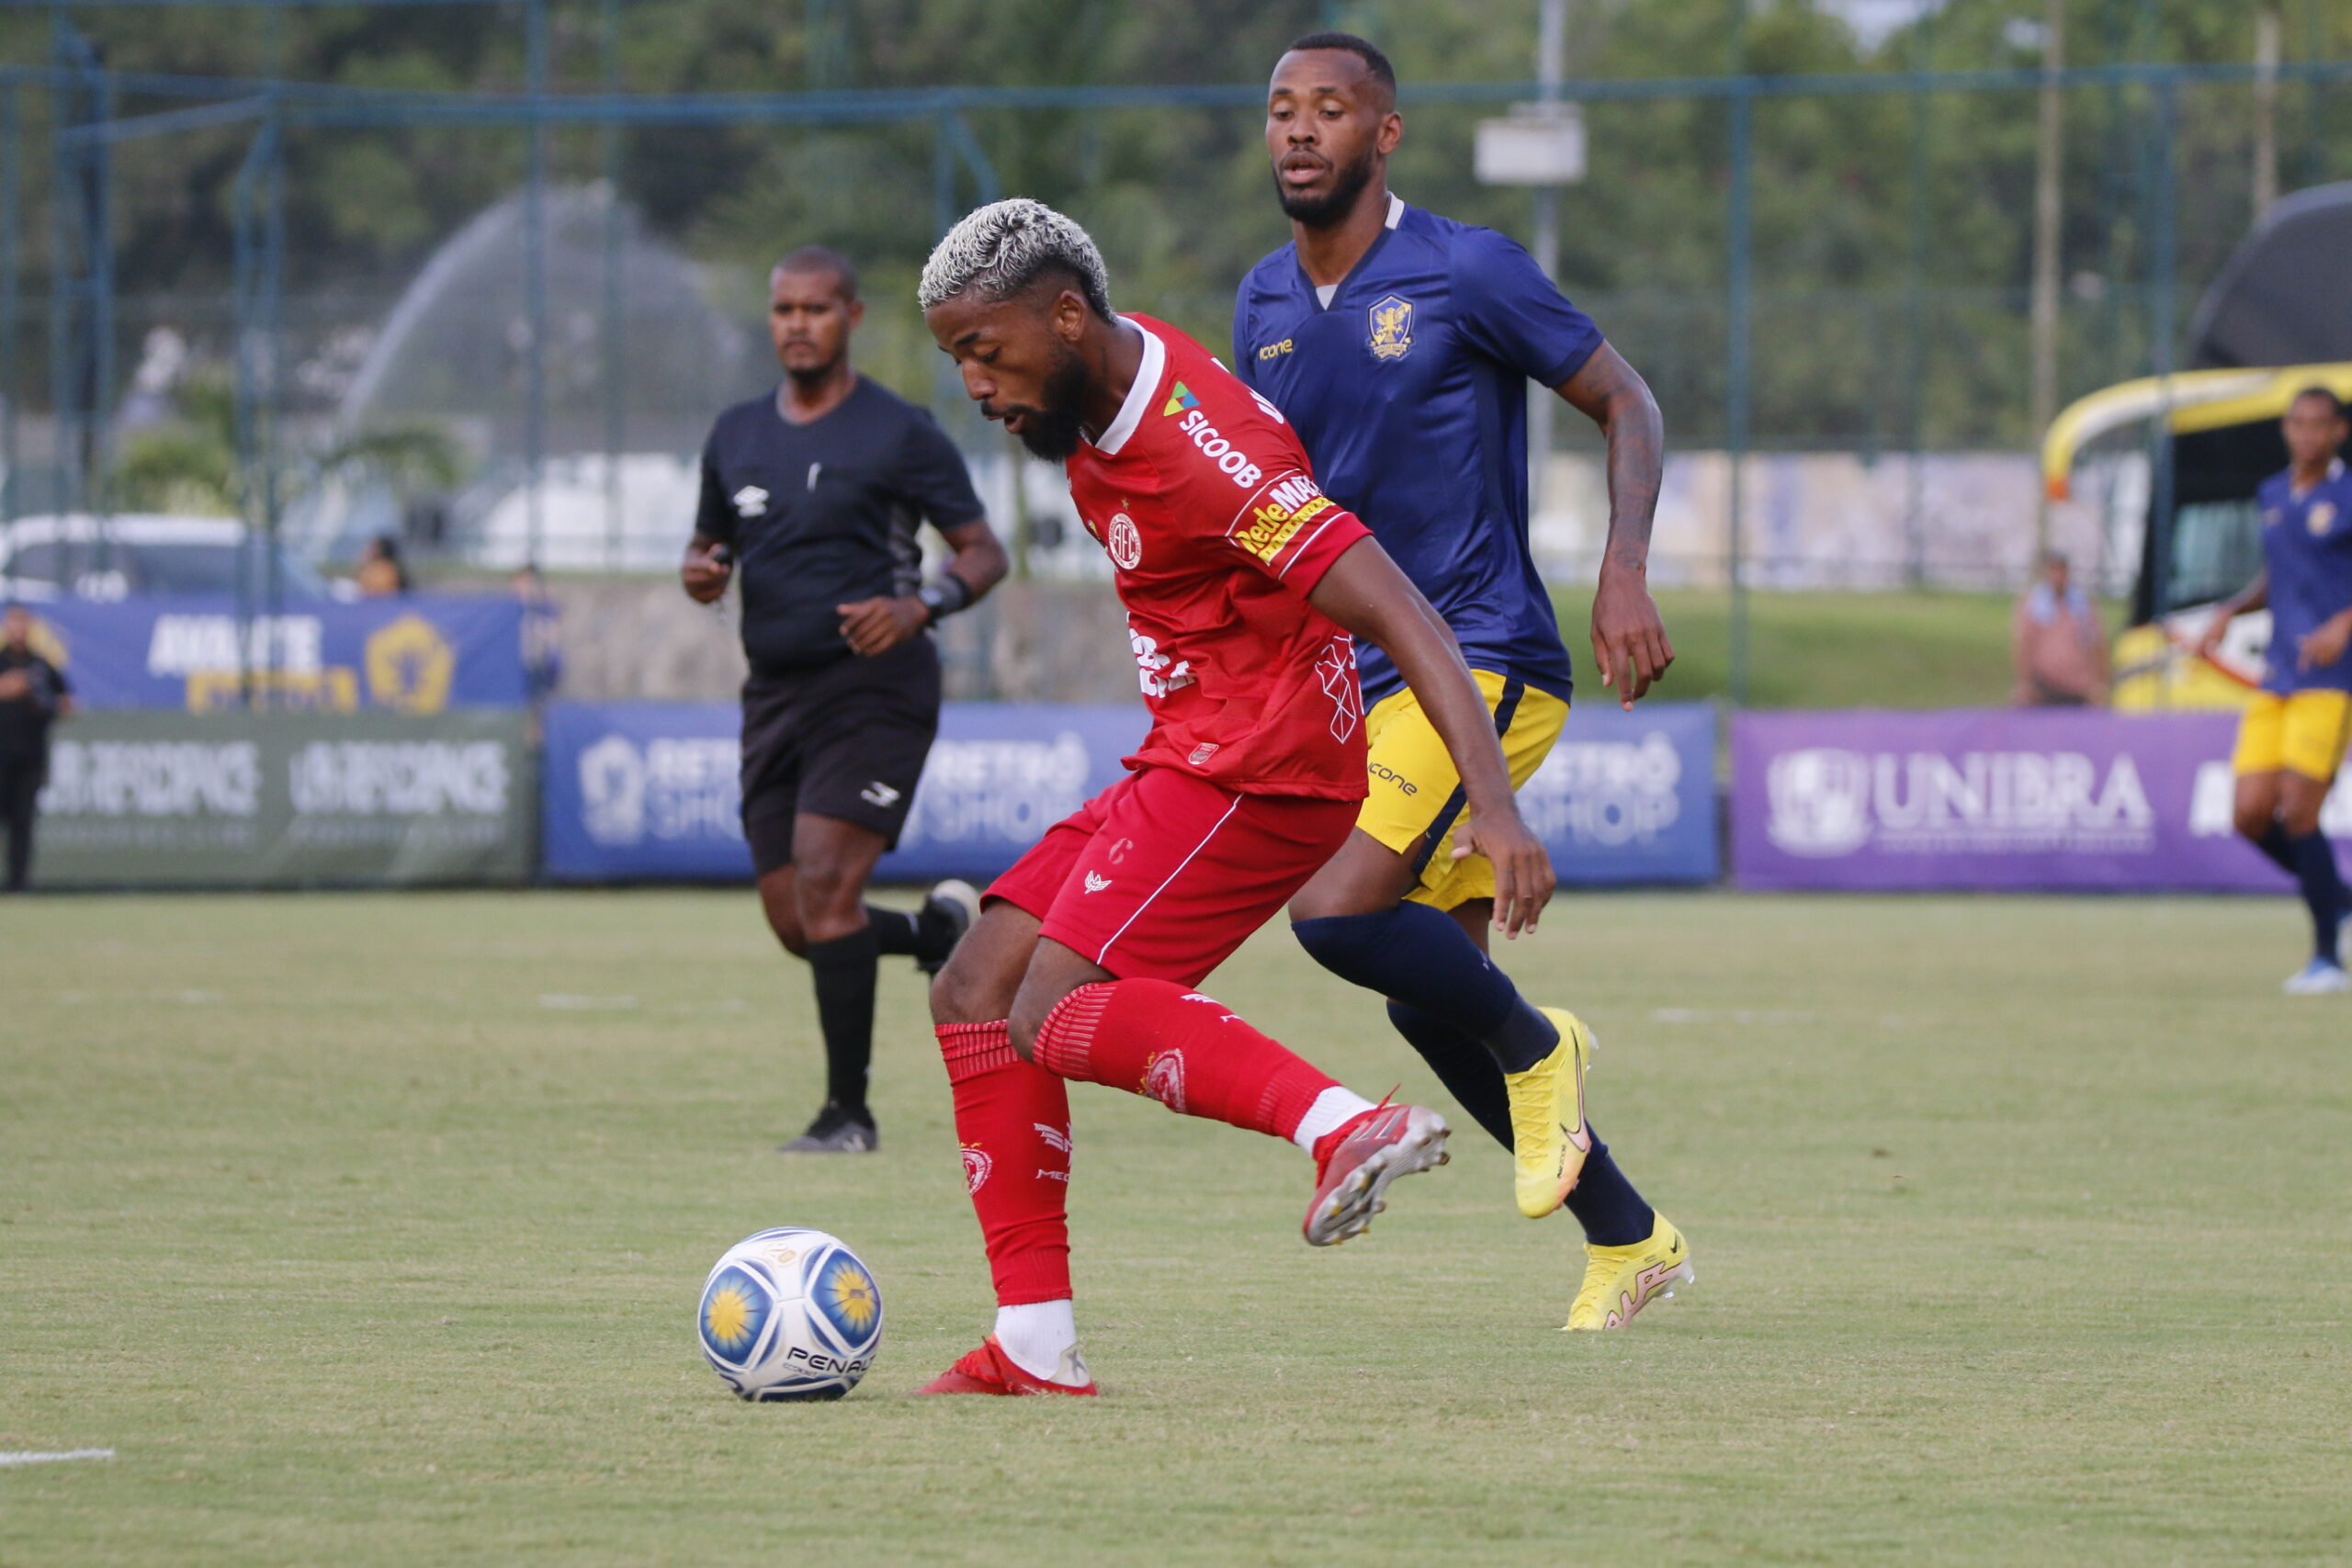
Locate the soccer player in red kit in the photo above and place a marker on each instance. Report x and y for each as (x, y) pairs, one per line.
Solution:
(1243, 585)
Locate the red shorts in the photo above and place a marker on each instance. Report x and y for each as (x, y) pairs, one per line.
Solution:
(1163, 874)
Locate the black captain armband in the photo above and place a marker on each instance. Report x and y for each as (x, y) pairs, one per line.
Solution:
(944, 595)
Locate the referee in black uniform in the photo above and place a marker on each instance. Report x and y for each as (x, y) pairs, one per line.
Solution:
(34, 694)
(813, 494)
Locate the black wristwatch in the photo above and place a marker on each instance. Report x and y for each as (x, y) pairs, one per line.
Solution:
(944, 595)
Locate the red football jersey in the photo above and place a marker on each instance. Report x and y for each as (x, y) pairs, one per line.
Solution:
(1203, 496)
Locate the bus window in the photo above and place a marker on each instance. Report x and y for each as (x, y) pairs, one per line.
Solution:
(2216, 550)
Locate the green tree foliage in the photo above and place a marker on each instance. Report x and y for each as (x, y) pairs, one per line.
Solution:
(1874, 319)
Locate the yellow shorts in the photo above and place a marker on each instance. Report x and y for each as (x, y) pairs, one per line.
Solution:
(2303, 732)
(1415, 800)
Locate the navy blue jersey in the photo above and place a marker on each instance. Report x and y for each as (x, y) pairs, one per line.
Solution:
(1410, 389)
(2307, 548)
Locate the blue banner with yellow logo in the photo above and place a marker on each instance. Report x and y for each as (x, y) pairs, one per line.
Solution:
(416, 654)
(648, 791)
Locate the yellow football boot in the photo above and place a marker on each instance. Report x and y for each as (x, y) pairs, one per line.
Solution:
(1621, 1280)
(1548, 1137)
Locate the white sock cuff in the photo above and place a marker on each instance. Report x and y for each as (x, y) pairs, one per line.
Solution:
(1036, 1333)
(1334, 1108)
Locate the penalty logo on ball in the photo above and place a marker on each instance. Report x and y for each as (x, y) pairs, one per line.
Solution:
(790, 1315)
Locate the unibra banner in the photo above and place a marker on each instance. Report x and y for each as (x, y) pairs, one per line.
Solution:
(650, 791)
(644, 791)
(286, 800)
(1992, 799)
(417, 654)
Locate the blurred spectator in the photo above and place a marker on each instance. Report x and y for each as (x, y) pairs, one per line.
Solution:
(34, 694)
(542, 634)
(381, 572)
(2060, 650)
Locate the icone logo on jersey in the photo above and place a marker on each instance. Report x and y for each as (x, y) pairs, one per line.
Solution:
(1275, 524)
(1274, 350)
(1229, 460)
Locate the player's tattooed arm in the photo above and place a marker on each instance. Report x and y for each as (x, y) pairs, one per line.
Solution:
(1629, 641)
(1366, 593)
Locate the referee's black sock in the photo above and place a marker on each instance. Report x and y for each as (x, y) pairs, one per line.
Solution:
(895, 930)
(844, 969)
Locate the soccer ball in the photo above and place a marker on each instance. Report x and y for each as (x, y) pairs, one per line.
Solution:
(790, 1314)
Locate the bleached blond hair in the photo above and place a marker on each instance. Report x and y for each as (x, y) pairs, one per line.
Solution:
(1002, 248)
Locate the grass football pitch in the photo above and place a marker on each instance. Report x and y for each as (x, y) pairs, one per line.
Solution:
(368, 1229)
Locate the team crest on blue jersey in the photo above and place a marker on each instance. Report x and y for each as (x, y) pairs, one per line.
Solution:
(2321, 517)
(1392, 328)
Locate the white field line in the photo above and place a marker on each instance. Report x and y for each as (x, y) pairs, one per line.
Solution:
(8, 1460)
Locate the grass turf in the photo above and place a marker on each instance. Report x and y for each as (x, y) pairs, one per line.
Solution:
(1913, 650)
(368, 1230)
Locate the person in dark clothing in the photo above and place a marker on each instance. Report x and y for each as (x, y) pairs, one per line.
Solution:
(813, 494)
(34, 694)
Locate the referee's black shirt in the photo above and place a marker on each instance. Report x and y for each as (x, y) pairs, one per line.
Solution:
(824, 514)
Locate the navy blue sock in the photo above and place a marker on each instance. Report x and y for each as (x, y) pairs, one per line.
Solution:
(1416, 954)
(1464, 1065)
(1604, 1203)
(2323, 889)
(2274, 844)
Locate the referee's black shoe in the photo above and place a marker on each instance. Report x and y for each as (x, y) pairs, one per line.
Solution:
(948, 912)
(836, 1131)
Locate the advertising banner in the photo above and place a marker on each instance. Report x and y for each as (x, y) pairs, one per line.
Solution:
(1992, 799)
(1629, 797)
(284, 800)
(641, 791)
(416, 654)
(648, 791)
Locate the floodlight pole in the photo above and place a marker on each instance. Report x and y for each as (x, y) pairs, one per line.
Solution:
(2266, 108)
(615, 342)
(2049, 172)
(11, 194)
(1741, 241)
(535, 280)
(1914, 315)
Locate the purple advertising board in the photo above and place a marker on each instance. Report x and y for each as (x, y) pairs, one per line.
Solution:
(1992, 799)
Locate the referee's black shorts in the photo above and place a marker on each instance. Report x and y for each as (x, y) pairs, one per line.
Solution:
(847, 739)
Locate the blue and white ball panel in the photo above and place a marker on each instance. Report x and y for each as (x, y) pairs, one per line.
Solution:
(847, 1302)
(737, 1307)
(790, 1314)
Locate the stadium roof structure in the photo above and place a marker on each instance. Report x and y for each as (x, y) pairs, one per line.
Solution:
(2285, 298)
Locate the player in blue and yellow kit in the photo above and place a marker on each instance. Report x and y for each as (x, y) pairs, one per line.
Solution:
(2291, 740)
(1400, 345)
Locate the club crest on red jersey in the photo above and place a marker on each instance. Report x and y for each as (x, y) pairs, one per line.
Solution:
(1124, 542)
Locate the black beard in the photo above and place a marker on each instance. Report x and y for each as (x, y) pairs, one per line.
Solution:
(1322, 211)
(1053, 430)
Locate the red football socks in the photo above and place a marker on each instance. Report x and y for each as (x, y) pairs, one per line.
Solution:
(1012, 1118)
(1157, 1039)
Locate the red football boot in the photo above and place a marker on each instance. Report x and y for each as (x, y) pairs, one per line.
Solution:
(990, 1370)
(1355, 1162)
